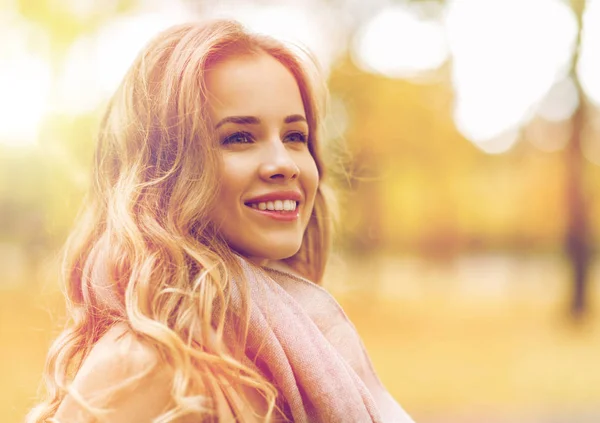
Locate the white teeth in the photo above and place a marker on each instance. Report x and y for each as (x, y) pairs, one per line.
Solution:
(279, 205)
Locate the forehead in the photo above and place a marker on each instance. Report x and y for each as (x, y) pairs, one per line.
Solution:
(252, 84)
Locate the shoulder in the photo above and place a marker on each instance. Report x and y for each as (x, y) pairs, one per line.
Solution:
(122, 351)
(122, 376)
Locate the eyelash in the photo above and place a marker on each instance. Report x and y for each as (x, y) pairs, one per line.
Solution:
(303, 136)
(230, 139)
(248, 137)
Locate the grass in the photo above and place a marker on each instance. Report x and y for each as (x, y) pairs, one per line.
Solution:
(438, 355)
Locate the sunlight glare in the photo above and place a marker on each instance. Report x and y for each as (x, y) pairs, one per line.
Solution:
(119, 43)
(95, 65)
(292, 23)
(77, 88)
(84, 9)
(588, 67)
(399, 43)
(507, 54)
(499, 143)
(489, 140)
(25, 85)
(560, 102)
(25, 82)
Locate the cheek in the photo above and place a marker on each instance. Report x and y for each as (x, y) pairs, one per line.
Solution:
(229, 187)
(232, 177)
(311, 176)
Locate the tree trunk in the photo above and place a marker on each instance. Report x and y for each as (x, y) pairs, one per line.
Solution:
(576, 239)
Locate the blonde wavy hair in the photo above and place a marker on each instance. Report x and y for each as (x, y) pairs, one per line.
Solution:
(143, 251)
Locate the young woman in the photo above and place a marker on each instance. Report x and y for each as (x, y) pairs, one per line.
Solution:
(188, 277)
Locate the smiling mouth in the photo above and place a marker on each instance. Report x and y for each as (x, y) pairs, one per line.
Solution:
(278, 210)
(281, 206)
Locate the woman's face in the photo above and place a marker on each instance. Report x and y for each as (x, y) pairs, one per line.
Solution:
(269, 179)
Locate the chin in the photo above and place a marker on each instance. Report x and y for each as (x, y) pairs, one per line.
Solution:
(272, 251)
(281, 252)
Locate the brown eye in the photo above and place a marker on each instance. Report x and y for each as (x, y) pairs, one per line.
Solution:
(238, 138)
(296, 137)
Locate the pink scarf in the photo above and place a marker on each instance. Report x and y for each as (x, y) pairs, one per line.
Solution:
(303, 339)
(312, 351)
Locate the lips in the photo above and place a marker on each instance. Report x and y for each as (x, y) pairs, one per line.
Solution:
(284, 216)
(280, 205)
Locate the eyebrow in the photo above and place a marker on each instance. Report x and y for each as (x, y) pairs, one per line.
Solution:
(252, 120)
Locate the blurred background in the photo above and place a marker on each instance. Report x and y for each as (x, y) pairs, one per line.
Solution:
(467, 254)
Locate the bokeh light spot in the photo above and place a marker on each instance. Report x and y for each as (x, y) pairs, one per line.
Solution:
(25, 83)
(561, 101)
(588, 68)
(295, 24)
(507, 54)
(399, 43)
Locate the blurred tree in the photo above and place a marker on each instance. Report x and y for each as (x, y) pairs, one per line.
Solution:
(420, 186)
(66, 20)
(577, 243)
(41, 188)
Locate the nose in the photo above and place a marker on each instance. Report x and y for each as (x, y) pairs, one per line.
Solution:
(278, 164)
